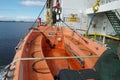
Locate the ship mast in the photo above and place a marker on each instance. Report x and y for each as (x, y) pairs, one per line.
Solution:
(53, 12)
(49, 6)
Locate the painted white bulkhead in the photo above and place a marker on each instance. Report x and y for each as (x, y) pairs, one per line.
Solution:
(77, 9)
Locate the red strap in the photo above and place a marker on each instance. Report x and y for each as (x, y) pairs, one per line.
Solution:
(57, 4)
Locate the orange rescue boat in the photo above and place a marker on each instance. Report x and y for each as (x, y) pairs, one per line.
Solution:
(46, 51)
(54, 53)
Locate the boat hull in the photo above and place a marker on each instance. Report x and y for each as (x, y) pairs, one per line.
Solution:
(59, 48)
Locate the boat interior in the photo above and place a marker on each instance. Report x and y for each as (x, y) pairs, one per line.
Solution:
(58, 49)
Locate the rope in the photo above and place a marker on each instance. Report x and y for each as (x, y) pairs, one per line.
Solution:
(67, 25)
(92, 18)
(95, 9)
(33, 65)
(52, 58)
(34, 69)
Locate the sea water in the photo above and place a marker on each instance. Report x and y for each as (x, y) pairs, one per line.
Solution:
(10, 34)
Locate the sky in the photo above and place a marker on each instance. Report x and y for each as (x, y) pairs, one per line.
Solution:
(20, 10)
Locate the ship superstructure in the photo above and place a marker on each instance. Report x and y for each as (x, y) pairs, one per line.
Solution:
(106, 21)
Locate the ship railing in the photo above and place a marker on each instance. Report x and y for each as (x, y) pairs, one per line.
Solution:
(107, 1)
(117, 13)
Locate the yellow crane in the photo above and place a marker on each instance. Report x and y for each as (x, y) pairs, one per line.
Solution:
(96, 5)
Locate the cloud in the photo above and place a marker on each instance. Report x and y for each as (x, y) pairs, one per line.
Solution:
(24, 18)
(17, 18)
(4, 18)
(32, 3)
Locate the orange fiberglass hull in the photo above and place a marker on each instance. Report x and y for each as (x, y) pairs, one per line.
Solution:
(46, 50)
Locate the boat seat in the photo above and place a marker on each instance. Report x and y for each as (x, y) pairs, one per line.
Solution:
(86, 74)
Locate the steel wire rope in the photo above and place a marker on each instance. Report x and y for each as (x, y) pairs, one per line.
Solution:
(39, 13)
(78, 35)
(74, 32)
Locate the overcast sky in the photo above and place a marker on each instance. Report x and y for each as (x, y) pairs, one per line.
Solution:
(18, 10)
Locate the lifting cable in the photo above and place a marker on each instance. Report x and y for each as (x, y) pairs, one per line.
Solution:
(47, 40)
(39, 14)
(95, 9)
(74, 31)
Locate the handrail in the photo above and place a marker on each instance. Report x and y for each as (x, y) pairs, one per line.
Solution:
(118, 14)
(107, 1)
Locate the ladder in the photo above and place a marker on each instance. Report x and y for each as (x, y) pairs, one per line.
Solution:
(115, 21)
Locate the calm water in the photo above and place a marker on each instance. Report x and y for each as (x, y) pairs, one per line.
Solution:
(10, 34)
(108, 65)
